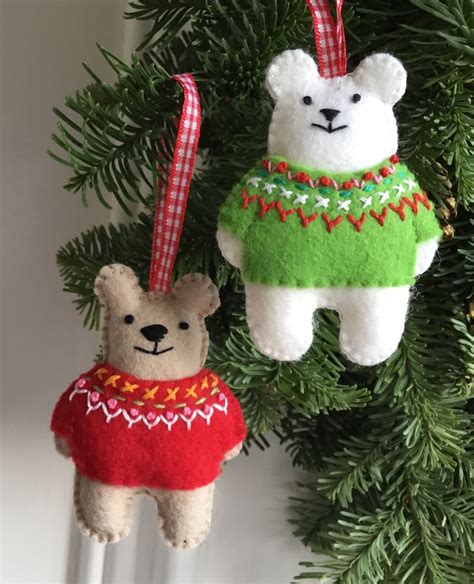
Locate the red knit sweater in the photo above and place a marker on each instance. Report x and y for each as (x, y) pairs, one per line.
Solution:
(133, 432)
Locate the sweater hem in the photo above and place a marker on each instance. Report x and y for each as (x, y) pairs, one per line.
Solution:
(298, 284)
(135, 484)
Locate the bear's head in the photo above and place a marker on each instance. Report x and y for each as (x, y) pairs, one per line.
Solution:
(152, 335)
(343, 124)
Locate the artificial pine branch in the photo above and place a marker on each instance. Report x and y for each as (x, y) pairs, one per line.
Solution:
(388, 450)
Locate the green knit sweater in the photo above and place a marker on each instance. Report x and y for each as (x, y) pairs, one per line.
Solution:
(303, 228)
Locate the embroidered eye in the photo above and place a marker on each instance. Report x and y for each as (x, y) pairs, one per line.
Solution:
(128, 319)
(184, 325)
(356, 97)
(307, 100)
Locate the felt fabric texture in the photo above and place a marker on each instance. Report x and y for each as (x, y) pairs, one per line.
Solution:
(166, 434)
(302, 232)
(372, 320)
(105, 512)
(149, 419)
(185, 516)
(330, 218)
(360, 134)
(425, 254)
(193, 297)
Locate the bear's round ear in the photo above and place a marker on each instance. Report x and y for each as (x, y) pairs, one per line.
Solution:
(117, 284)
(290, 72)
(197, 292)
(382, 75)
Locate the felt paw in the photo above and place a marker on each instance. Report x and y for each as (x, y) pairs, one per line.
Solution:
(425, 254)
(280, 320)
(185, 516)
(62, 446)
(183, 541)
(100, 535)
(367, 356)
(233, 452)
(278, 349)
(103, 512)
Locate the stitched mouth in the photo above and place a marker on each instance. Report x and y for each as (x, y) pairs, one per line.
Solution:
(154, 351)
(329, 129)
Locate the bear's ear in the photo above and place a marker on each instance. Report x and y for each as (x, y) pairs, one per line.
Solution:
(290, 73)
(382, 75)
(197, 292)
(117, 285)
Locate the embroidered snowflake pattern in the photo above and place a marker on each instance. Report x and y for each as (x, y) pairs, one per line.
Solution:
(301, 199)
(285, 193)
(384, 196)
(268, 187)
(321, 201)
(400, 190)
(254, 181)
(344, 205)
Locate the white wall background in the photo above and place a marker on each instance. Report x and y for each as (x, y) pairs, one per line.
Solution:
(43, 344)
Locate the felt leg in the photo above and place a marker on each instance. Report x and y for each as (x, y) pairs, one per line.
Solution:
(372, 322)
(185, 515)
(233, 452)
(280, 320)
(103, 512)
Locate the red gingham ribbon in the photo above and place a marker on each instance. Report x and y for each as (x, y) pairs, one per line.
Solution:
(172, 201)
(330, 38)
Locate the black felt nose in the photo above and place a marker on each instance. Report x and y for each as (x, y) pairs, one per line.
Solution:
(154, 332)
(329, 114)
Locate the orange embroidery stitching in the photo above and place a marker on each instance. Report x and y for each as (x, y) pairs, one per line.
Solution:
(171, 394)
(129, 387)
(100, 373)
(191, 392)
(112, 380)
(150, 394)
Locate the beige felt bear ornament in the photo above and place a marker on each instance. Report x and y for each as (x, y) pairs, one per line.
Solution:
(149, 419)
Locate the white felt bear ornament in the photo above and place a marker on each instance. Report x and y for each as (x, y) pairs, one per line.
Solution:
(330, 218)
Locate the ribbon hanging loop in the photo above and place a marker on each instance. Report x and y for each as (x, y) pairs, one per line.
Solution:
(330, 38)
(170, 208)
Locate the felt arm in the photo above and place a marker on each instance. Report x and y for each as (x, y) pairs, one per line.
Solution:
(233, 452)
(231, 247)
(425, 254)
(235, 425)
(62, 446)
(237, 213)
(428, 234)
(426, 224)
(62, 416)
